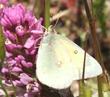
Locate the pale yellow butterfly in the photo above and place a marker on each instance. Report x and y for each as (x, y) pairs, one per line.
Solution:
(60, 62)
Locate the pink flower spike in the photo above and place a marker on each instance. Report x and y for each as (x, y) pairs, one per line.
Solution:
(10, 47)
(4, 70)
(3, 2)
(10, 36)
(29, 64)
(25, 79)
(30, 42)
(21, 57)
(20, 30)
(9, 54)
(16, 69)
(26, 64)
(17, 83)
(33, 52)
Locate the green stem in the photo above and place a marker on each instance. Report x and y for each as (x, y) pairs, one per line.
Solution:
(2, 47)
(96, 46)
(47, 13)
(84, 63)
(100, 90)
(36, 7)
(3, 88)
(99, 8)
(14, 88)
(84, 90)
(2, 56)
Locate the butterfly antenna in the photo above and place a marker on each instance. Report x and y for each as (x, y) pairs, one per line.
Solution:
(44, 28)
(50, 27)
(53, 27)
(56, 23)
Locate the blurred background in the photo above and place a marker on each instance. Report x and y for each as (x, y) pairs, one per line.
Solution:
(69, 18)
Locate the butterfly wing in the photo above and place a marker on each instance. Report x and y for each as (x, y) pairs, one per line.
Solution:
(60, 61)
(92, 67)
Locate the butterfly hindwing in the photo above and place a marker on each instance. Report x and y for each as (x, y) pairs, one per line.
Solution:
(92, 68)
(60, 61)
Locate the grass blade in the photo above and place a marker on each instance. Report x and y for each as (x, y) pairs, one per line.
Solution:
(2, 56)
(2, 47)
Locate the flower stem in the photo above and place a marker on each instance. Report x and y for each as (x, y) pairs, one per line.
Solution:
(14, 88)
(2, 56)
(3, 88)
(99, 8)
(47, 13)
(96, 46)
(2, 47)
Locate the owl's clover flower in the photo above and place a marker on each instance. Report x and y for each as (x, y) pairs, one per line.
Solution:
(4, 2)
(17, 22)
(23, 33)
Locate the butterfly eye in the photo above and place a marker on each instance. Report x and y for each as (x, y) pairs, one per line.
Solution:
(75, 52)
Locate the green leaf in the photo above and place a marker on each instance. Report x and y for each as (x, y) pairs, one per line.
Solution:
(2, 47)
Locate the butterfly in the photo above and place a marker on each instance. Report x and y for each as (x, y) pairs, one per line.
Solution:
(60, 62)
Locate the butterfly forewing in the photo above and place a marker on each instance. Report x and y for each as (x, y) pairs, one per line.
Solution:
(60, 61)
